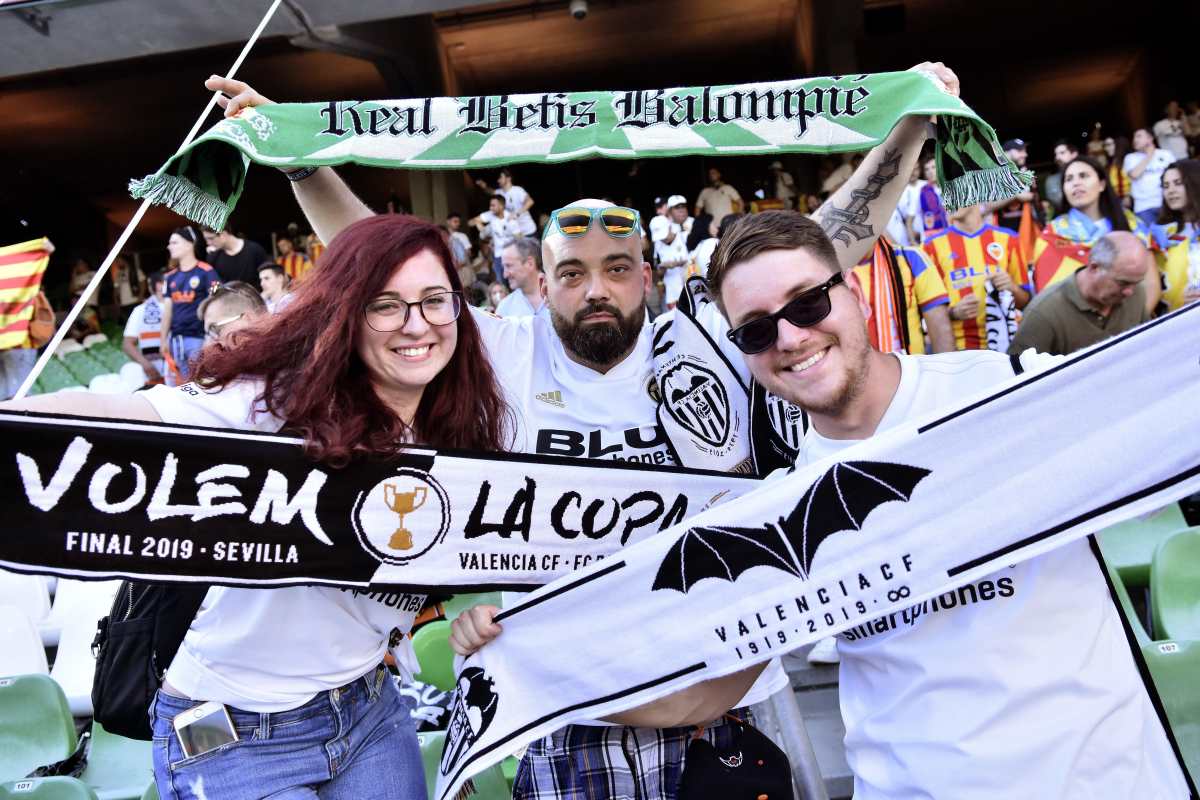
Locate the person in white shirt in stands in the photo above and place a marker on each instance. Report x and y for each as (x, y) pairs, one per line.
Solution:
(499, 226)
(671, 251)
(1173, 130)
(142, 340)
(718, 198)
(577, 380)
(523, 270)
(1022, 684)
(459, 239)
(276, 286)
(1145, 166)
(300, 669)
(517, 201)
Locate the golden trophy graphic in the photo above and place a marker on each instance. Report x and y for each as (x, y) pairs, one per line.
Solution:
(403, 503)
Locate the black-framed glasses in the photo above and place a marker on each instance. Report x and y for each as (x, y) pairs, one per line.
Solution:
(804, 310)
(388, 314)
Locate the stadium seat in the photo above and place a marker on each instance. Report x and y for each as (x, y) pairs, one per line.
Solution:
(75, 666)
(113, 330)
(108, 383)
(432, 645)
(461, 602)
(73, 600)
(1175, 588)
(118, 768)
(36, 727)
(1129, 547)
(75, 388)
(93, 339)
(67, 346)
(132, 376)
(57, 788)
(431, 753)
(151, 792)
(26, 592)
(22, 652)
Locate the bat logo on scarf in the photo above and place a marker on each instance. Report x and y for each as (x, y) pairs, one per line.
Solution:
(839, 500)
(471, 712)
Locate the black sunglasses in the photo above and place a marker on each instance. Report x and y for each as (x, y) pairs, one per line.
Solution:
(804, 310)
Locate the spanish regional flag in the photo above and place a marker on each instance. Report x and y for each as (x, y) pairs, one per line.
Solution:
(1055, 258)
(21, 269)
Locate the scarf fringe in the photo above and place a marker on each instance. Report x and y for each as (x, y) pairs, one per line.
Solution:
(183, 197)
(983, 186)
(468, 789)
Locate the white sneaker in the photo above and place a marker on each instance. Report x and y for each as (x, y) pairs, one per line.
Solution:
(824, 652)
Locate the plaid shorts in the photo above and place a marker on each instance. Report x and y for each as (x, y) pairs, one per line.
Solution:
(585, 762)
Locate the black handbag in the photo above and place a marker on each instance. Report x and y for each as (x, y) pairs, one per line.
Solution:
(752, 767)
(134, 645)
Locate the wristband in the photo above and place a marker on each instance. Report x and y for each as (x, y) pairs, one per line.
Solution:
(299, 174)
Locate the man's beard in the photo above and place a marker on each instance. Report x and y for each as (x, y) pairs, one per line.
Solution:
(598, 343)
(856, 352)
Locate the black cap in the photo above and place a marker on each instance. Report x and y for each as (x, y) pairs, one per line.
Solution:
(658, 201)
(1014, 144)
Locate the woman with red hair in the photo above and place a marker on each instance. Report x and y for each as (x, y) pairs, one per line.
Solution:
(373, 355)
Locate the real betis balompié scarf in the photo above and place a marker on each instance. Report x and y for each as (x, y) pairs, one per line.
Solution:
(811, 115)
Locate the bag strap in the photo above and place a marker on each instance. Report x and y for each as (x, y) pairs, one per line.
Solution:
(73, 765)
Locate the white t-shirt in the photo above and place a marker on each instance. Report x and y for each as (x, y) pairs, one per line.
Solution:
(514, 203)
(501, 230)
(145, 325)
(566, 409)
(1171, 136)
(677, 247)
(660, 226)
(1019, 685)
(909, 207)
(703, 253)
(1146, 189)
(516, 304)
(271, 650)
(463, 240)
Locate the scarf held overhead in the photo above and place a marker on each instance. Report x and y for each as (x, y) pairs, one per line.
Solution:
(103, 498)
(204, 180)
(844, 542)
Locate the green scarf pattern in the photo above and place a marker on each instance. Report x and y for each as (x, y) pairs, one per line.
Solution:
(204, 180)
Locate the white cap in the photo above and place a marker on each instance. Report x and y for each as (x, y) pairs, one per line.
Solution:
(676, 200)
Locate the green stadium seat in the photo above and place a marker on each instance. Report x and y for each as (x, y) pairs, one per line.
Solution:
(461, 602)
(1129, 546)
(118, 768)
(431, 743)
(113, 330)
(36, 727)
(1175, 588)
(151, 792)
(57, 788)
(432, 645)
(491, 784)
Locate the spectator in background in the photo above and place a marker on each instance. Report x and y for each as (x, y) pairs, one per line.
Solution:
(671, 251)
(839, 175)
(782, 184)
(660, 223)
(234, 258)
(718, 198)
(315, 248)
(1115, 150)
(276, 286)
(1098, 301)
(498, 226)
(81, 275)
(523, 270)
(933, 213)
(294, 263)
(187, 286)
(517, 202)
(1177, 233)
(1064, 153)
(701, 253)
(128, 288)
(1172, 130)
(904, 226)
(1008, 213)
(1145, 166)
(496, 293)
(1192, 116)
(459, 241)
(232, 307)
(142, 340)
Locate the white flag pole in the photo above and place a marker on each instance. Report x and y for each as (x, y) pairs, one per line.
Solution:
(48, 353)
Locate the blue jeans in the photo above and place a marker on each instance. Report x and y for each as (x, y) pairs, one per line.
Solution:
(183, 349)
(354, 742)
(498, 269)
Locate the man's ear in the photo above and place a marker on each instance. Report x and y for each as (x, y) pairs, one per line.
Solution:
(860, 296)
(647, 276)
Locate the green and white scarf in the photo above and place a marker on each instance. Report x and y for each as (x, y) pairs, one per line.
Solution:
(204, 180)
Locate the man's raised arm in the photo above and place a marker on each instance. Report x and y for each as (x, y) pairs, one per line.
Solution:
(324, 197)
(857, 213)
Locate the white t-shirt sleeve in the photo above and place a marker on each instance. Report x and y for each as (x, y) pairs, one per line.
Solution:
(133, 328)
(659, 228)
(232, 407)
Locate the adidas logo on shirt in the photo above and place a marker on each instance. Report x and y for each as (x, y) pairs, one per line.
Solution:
(552, 398)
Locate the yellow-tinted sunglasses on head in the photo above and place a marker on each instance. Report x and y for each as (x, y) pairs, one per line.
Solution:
(573, 221)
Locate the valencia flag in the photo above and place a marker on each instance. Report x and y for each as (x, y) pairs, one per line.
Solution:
(1055, 258)
(21, 269)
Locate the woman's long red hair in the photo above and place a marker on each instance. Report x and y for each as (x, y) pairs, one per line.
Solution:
(314, 380)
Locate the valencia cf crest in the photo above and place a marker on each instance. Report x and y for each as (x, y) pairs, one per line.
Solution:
(695, 398)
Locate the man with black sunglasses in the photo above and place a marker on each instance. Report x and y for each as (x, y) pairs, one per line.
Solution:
(584, 387)
(1022, 684)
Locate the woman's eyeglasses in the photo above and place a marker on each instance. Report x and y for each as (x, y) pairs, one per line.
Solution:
(388, 314)
(574, 221)
(804, 310)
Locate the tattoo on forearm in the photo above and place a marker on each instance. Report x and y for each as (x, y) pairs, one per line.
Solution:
(848, 225)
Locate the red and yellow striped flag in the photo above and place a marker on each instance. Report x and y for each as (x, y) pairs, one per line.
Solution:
(21, 269)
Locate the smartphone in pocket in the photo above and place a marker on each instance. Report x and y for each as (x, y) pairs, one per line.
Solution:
(203, 728)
